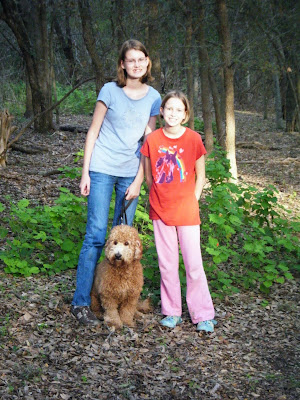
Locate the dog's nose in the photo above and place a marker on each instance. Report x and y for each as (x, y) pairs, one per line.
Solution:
(118, 256)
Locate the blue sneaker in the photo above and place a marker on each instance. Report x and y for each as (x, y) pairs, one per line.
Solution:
(170, 321)
(207, 326)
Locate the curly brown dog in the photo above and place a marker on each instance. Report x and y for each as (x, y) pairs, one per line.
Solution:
(118, 278)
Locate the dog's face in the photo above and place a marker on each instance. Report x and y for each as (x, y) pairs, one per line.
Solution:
(123, 245)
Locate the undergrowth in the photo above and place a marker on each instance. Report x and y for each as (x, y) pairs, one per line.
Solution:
(81, 101)
(245, 240)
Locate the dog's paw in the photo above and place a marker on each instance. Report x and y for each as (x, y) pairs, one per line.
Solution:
(113, 323)
(129, 323)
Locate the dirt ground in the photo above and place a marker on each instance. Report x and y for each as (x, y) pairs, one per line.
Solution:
(45, 354)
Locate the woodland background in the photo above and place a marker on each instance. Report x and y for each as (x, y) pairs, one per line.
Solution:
(238, 62)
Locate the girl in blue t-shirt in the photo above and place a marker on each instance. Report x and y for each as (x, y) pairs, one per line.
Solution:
(125, 111)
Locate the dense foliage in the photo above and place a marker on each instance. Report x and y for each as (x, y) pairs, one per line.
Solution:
(246, 240)
(263, 33)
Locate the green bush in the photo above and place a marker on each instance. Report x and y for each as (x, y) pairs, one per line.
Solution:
(45, 239)
(81, 101)
(245, 241)
(13, 98)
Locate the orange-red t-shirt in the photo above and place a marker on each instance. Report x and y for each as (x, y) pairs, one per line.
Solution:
(172, 194)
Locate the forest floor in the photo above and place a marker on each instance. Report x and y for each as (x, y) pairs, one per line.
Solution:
(45, 354)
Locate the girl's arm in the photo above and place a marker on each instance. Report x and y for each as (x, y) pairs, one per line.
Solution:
(134, 189)
(93, 132)
(148, 172)
(200, 176)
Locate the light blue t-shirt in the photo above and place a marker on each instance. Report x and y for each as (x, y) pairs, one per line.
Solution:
(117, 148)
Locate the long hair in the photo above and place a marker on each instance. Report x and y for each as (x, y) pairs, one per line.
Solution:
(121, 73)
(181, 96)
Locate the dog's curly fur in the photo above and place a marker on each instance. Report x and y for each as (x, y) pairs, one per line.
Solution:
(118, 280)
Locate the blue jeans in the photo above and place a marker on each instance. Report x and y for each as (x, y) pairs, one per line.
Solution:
(99, 199)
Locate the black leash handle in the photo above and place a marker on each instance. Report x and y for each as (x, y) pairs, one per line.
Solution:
(123, 211)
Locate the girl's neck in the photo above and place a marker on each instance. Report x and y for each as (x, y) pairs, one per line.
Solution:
(174, 132)
(135, 89)
(134, 84)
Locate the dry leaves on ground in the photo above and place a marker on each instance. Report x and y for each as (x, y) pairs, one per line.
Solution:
(45, 354)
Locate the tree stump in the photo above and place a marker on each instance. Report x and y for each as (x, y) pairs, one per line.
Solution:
(6, 129)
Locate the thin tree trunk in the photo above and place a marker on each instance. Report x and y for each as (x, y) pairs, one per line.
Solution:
(153, 43)
(29, 110)
(278, 104)
(265, 97)
(119, 4)
(65, 38)
(188, 64)
(32, 39)
(223, 95)
(217, 107)
(89, 40)
(52, 73)
(228, 81)
(292, 100)
(205, 89)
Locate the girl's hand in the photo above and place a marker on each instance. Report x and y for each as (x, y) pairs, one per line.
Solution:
(132, 191)
(85, 185)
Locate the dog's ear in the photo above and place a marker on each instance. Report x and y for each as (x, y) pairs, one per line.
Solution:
(138, 251)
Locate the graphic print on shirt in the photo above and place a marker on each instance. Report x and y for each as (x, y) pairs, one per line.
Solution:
(134, 118)
(170, 159)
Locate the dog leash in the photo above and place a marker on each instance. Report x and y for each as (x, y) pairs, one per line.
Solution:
(123, 211)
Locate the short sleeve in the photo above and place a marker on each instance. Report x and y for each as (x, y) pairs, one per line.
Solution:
(156, 106)
(105, 94)
(200, 147)
(145, 149)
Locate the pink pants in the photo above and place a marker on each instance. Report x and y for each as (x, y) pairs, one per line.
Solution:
(198, 298)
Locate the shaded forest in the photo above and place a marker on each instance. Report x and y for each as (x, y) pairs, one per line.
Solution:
(238, 62)
(205, 48)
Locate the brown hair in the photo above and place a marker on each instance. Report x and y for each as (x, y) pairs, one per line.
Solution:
(181, 96)
(121, 73)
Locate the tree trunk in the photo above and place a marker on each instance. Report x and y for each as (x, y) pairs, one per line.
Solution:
(89, 40)
(65, 38)
(292, 100)
(217, 107)
(224, 33)
(278, 104)
(32, 38)
(188, 63)
(153, 43)
(290, 107)
(119, 9)
(266, 96)
(205, 89)
(29, 110)
(52, 74)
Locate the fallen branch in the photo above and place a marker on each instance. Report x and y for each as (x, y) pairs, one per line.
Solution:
(289, 160)
(70, 128)
(53, 172)
(26, 150)
(255, 145)
(252, 162)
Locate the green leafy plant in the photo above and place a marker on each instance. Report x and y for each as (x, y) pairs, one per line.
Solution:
(81, 101)
(245, 240)
(45, 239)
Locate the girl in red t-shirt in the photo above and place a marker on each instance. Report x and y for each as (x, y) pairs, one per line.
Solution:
(175, 174)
